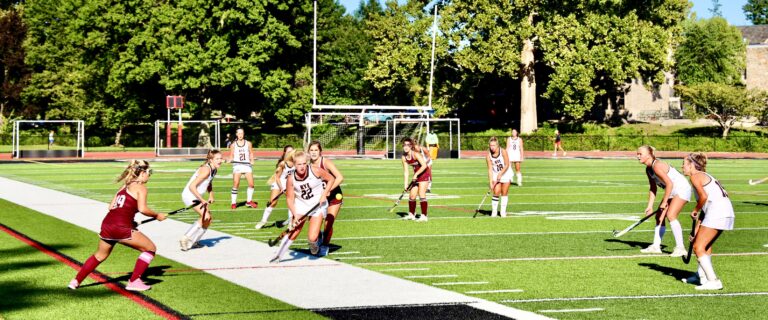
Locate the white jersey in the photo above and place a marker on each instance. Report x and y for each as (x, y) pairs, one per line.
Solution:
(283, 178)
(202, 188)
(680, 188)
(515, 149)
(242, 153)
(307, 193)
(718, 210)
(497, 165)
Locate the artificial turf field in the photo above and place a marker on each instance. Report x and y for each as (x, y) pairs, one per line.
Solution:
(554, 255)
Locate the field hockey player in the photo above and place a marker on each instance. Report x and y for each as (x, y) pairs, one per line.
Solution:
(283, 168)
(499, 176)
(241, 157)
(335, 197)
(200, 182)
(421, 175)
(515, 153)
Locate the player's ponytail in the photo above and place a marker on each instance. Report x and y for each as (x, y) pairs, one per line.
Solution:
(699, 161)
(133, 170)
(208, 157)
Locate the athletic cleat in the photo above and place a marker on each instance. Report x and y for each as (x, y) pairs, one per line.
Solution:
(711, 285)
(324, 251)
(429, 190)
(275, 259)
(694, 279)
(252, 204)
(422, 218)
(651, 249)
(679, 252)
(410, 216)
(233, 206)
(73, 284)
(137, 285)
(260, 224)
(313, 248)
(197, 245)
(185, 243)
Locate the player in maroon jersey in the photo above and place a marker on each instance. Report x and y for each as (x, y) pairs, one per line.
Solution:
(335, 197)
(421, 176)
(118, 226)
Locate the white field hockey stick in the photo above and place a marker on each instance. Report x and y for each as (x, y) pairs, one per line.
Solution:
(484, 197)
(194, 203)
(756, 182)
(617, 234)
(694, 230)
(406, 190)
(276, 240)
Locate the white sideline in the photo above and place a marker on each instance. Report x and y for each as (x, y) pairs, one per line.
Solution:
(359, 287)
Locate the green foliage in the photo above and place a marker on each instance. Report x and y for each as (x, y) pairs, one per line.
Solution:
(14, 73)
(723, 103)
(756, 11)
(712, 51)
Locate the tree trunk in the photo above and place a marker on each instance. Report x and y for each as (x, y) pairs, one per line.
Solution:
(528, 118)
(117, 137)
(2, 117)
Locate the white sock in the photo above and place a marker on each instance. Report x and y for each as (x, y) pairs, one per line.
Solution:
(250, 194)
(265, 215)
(705, 262)
(504, 200)
(290, 215)
(284, 245)
(234, 195)
(519, 178)
(192, 230)
(700, 272)
(494, 204)
(199, 235)
(658, 235)
(677, 232)
(430, 185)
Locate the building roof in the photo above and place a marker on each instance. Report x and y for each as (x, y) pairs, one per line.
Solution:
(755, 34)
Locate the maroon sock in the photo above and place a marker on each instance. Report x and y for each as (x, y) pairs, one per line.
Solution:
(424, 205)
(87, 268)
(328, 233)
(412, 206)
(142, 263)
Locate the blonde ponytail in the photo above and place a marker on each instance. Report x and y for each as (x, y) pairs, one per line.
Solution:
(132, 171)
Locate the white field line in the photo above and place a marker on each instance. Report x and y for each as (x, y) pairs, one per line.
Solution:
(357, 258)
(347, 252)
(635, 256)
(432, 276)
(689, 295)
(570, 310)
(403, 269)
(458, 283)
(495, 291)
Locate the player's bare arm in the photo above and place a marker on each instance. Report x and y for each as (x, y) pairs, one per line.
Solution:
(331, 167)
(329, 181)
(405, 173)
(661, 172)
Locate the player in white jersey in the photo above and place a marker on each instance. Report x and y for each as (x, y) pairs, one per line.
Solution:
(277, 181)
(712, 201)
(515, 153)
(241, 157)
(677, 192)
(306, 193)
(499, 176)
(200, 183)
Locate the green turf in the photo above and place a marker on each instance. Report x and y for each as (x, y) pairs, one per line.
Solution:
(564, 212)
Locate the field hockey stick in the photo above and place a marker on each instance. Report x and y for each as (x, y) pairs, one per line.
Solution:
(276, 240)
(483, 201)
(269, 203)
(194, 203)
(756, 182)
(694, 231)
(617, 234)
(410, 186)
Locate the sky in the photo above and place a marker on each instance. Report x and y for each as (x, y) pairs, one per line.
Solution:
(731, 9)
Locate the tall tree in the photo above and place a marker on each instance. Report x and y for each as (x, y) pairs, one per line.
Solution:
(724, 103)
(756, 11)
(711, 51)
(14, 73)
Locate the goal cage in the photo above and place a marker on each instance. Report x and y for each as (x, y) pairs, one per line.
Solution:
(446, 131)
(187, 137)
(376, 131)
(48, 139)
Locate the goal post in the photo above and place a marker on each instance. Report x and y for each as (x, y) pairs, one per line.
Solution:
(199, 137)
(48, 139)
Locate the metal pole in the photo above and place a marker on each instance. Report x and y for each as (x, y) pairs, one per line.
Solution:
(432, 64)
(179, 132)
(314, 55)
(168, 130)
(459, 135)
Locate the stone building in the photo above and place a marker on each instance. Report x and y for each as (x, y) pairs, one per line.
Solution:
(756, 37)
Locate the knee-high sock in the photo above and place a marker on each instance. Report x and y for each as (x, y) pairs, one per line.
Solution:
(504, 201)
(249, 194)
(658, 235)
(142, 263)
(494, 204)
(265, 215)
(706, 264)
(192, 230)
(412, 206)
(234, 195)
(677, 232)
(290, 215)
(519, 178)
(700, 272)
(87, 268)
(284, 245)
(424, 205)
(328, 232)
(199, 234)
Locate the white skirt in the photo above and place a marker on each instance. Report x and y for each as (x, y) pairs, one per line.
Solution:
(506, 178)
(241, 168)
(682, 190)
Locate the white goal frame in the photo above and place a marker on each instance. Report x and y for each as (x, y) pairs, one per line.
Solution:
(161, 150)
(79, 144)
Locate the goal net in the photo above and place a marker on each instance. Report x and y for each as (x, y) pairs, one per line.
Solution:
(48, 139)
(442, 137)
(186, 138)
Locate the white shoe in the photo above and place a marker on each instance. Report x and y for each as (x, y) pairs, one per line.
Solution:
(260, 225)
(494, 214)
(679, 252)
(73, 284)
(324, 251)
(422, 218)
(519, 184)
(711, 285)
(410, 216)
(504, 215)
(651, 249)
(185, 243)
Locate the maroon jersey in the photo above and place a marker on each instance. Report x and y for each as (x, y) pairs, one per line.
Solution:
(426, 175)
(118, 223)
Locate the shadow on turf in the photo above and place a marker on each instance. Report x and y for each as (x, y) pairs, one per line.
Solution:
(300, 253)
(667, 271)
(212, 241)
(19, 295)
(17, 251)
(155, 271)
(757, 203)
(632, 244)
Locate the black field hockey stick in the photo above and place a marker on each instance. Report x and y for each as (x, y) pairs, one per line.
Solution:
(483, 201)
(694, 231)
(276, 240)
(194, 203)
(758, 181)
(406, 190)
(273, 200)
(617, 234)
